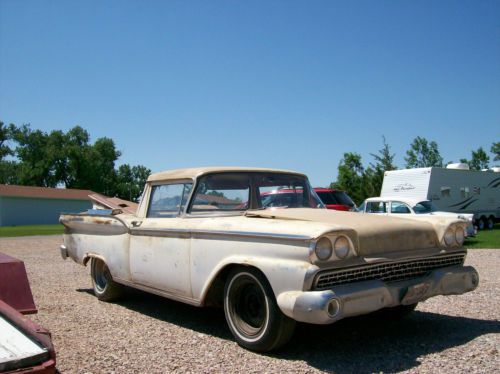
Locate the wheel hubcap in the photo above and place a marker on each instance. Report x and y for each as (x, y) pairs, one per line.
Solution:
(247, 306)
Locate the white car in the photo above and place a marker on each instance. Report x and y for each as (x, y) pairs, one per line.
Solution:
(410, 208)
(206, 236)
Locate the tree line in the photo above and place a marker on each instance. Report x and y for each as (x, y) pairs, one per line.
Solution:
(32, 157)
(361, 182)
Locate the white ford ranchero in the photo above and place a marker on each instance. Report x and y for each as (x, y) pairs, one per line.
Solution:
(213, 236)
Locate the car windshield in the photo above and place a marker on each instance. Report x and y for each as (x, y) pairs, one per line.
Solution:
(238, 192)
(424, 207)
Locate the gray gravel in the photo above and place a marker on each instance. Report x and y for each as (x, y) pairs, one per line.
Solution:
(146, 333)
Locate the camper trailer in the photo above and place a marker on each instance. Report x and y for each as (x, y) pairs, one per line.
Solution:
(452, 189)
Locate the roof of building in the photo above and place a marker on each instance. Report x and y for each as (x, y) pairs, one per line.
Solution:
(44, 192)
(114, 203)
(192, 173)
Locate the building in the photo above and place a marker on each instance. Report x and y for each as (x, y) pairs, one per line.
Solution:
(26, 205)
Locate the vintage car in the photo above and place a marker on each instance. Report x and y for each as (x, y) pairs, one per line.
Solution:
(411, 208)
(202, 236)
(335, 199)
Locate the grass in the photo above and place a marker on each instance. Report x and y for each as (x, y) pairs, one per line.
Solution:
(10, 231)
(485, 239)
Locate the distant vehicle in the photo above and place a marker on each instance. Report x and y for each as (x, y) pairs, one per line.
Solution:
(409, 208)
(335, 199)
(452, 189)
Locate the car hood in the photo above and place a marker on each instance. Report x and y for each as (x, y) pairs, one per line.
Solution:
(374, 234)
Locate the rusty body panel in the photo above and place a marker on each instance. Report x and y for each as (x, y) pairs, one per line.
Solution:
(14, 286)
(45, 364)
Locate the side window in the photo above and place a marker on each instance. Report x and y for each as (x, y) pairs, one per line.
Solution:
(168, 200)
(399, 208)
(376, 207)
(464, 192)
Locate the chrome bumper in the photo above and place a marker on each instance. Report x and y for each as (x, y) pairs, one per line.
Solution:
(324, 307)
(64, 252)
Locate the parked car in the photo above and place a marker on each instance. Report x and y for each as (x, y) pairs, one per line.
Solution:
(205, 237)
(335, 199)
(411, 208)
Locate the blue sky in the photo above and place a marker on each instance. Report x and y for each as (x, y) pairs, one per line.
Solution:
(286, 84)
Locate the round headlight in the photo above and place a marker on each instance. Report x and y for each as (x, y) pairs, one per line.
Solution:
(459, 235)
(449, 237)
(341, 247)
(323, 249)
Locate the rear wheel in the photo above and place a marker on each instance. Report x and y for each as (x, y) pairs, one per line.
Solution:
(252, 313)
(481, 223)
(490, 222)
(104, 287)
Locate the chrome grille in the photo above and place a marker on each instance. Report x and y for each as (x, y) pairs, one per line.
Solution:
(387, 272)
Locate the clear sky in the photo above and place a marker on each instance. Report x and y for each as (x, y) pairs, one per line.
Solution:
(286, 84)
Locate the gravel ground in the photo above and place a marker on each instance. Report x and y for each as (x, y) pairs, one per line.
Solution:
(148, 334)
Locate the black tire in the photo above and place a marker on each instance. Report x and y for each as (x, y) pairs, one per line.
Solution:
(252, 314)
(490, 222)
(104, 287)
(481, 223)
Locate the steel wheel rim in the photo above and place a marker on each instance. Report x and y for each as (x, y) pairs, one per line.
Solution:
(247, 307)
(101, 275)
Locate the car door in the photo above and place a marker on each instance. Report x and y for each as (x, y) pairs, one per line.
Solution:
(160, 243)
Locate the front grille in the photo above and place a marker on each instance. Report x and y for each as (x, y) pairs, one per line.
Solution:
(387, 272)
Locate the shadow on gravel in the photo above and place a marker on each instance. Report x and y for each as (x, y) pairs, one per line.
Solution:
(209, 321)
(365, 344)
(368, 345)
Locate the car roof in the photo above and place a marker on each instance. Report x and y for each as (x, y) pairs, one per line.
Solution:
(409, 201)
(321, 189)
(192, 173)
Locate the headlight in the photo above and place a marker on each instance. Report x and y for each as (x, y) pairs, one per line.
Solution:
(323, 249)
(341, 247)
(459, 235)
(449, 237)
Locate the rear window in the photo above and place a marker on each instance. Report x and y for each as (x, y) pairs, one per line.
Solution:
(335, 198)
(343, 198)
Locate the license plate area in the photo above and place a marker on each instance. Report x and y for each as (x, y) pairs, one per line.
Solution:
(415, 293)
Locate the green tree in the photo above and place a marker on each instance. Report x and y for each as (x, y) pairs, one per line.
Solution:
(8, 169)
(480, 160)
(495, 149)
(384, 161)
(131, 181)
(423, 154)
(353, 178)
(35, 160)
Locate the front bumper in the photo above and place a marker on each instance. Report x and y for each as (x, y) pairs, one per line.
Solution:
(324, 307)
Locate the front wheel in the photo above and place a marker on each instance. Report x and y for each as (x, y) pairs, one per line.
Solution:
(104, 287)
(252, 313)
(490, 223)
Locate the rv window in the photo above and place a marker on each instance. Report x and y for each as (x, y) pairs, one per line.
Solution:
(445, 191)
(464, 192)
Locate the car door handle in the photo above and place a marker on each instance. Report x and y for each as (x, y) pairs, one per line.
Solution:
(136, 223)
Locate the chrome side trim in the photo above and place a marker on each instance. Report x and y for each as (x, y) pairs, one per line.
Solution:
(156, 291)
(185, 233)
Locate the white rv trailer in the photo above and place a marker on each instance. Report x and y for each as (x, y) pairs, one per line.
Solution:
(452, 189)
